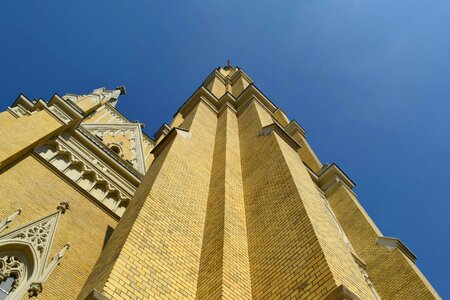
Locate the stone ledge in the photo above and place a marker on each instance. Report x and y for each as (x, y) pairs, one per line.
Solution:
(96, 295)
(341, 293)
(293, 127)
(163, 130)
(275, 127)
(168, 138)
(392, 243)
(330, 176)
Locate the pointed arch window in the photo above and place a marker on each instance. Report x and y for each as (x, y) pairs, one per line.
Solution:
(24, 256)
(17, 268)
(6, 287)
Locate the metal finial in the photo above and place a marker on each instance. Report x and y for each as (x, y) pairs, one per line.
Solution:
(122, 89)
(228, 63)
(63, 206)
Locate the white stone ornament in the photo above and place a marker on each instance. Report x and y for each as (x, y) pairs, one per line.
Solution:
(4, 223)
(24, 254)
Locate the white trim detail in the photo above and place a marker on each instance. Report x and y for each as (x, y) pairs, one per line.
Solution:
(24, 254)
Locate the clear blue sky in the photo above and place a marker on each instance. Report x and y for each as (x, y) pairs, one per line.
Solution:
(368, 80)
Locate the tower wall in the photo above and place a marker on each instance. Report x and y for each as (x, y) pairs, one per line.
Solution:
(162, 232)
(271, 209)
(295, 250)
(224, 269)
(393, 274)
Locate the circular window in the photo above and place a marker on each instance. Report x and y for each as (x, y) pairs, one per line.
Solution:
(116, 149)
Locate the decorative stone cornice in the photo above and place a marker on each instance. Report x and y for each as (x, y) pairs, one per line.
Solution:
(201, 94)
(238, 74)
(163, 130)
(331, 176)
(59, 108)
(169, 137)
(253, 92)
(231, 78)
(294, 127)
(67, 107)
(24, 102)
(391, 243)
(226, 105)
(204, 95)
(275, 127)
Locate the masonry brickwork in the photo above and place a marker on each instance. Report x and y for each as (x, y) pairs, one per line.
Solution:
(229, 201)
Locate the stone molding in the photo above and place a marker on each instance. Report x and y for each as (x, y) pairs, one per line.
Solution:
(294, 127)
(330, 177)
(228, 79)
(239, 104)
(275, 127)
(24, 254)
(341, 293)
(393, 243)
(169, 137)
(99, 130)
(5, 223)
(87, 176)
(96, 295)
(162, 131)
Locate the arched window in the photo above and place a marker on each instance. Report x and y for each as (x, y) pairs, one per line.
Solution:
(16, 269)
(116, 148)
(24, 253)
(6, 287)
(12, 274)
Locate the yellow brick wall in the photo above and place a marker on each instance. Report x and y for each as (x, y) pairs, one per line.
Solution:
(160, 257)
(6, 118)
(236, 262)
(107, 261)
(282, 246)
(393, 274)
(224, 266)
(29, 185)
(307, 154)
(17, 137)
(295, 249)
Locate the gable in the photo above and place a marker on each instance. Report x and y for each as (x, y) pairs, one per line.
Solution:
(125, 139)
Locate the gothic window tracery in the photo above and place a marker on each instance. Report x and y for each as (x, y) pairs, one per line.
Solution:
(47, 151)
(88, 176)
(61, 161)
(12, 274)
(86, 181)
(6, 287)
(99, 190)
(74, 171)
(24, 256)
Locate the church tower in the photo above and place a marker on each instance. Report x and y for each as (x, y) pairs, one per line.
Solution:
(228, 201)
(236, 205)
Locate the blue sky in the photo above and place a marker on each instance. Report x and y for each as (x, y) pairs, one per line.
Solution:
(368, 80)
